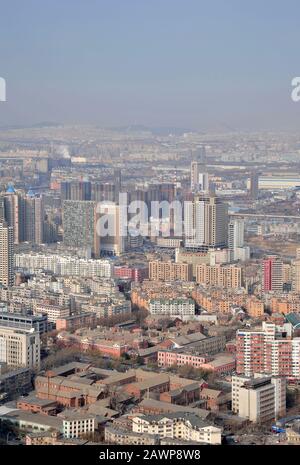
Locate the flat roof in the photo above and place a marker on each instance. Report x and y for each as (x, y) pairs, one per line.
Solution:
(34, 418)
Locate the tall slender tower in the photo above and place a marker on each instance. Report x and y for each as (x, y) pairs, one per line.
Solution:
(31, 216)
(11, 211)
(199, 177)
(206, 222)
(272, 274)
(254, 185)
(235, 236)
(6, 255)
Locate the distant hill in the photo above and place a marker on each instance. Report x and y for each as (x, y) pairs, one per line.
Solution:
(159, 131)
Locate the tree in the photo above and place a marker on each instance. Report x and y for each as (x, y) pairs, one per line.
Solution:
(139, 360)
(186, 371)
(152, 365)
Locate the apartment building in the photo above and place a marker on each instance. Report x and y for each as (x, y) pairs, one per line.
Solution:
(53, 312)
(172, 307)
(219, 300)
(6, 255)
(269, 350)
(229, 276)
(272, 274)
(135, 273)
(222, 364)
(185, 426)
(170, 271)
(285, 304)
(206, 222)
(296, 277)
(191, 257)
(116, 436)
(255, 307)
(79, 225)
(110, 309)
(168, 358)
(64, 265)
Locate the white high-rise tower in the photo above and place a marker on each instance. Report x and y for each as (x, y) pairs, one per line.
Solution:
(6, 255)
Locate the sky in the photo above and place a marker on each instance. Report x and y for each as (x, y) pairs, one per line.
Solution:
(202, 65)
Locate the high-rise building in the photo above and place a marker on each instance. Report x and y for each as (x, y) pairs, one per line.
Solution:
(75, 190)
(111, 224)
(105, 191)
(79, 225)
(296, 283)
(199, 177)
(272, 274)
(235, 238)
(199, 154)
(159, 192)
(206, 222)
(11, 211)
(25, 214)
(118, 178)
(31, 218)
(2, 209)
(270, 350)
(6, 255)
(254, 180)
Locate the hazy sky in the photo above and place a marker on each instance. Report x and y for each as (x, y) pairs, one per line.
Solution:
(186, 63)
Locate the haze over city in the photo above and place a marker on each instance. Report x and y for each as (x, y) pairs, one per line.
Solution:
(217, 66)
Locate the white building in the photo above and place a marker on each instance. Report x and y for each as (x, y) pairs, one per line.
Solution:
(76, 424)
(64, 265)
(172, 307)
(6, 255)
(54, 312)
(111, 228)
(259, 398)
(19, 348)
(235, 236)
(110, 308)
(187, 427)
